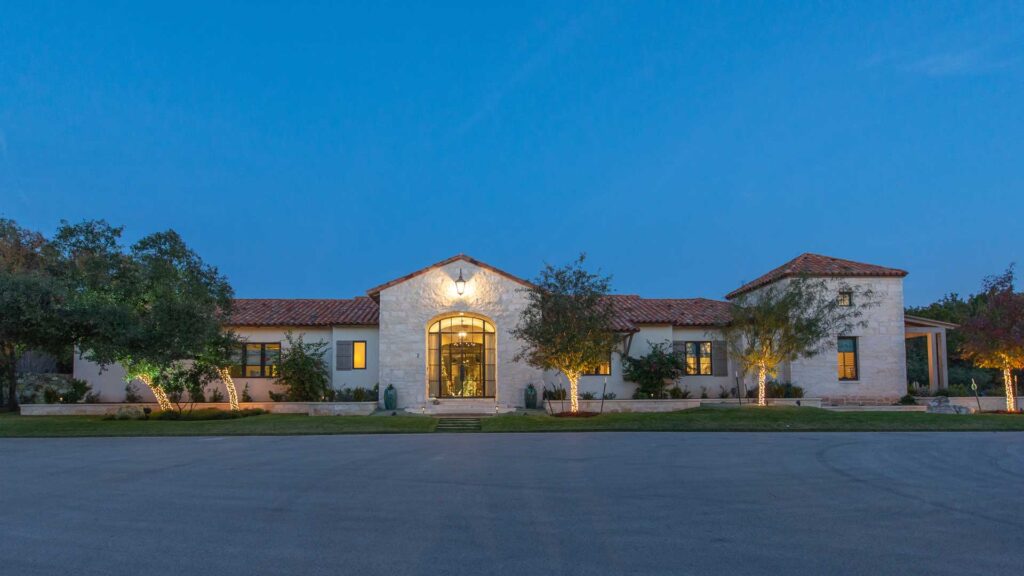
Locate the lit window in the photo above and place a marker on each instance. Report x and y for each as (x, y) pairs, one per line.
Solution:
(847, 358)
(697, 356)
(846, 299)
(359, 355)
(602, 369)
(256, 361)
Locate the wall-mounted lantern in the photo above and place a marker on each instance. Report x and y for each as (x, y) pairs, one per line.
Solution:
(460, 283)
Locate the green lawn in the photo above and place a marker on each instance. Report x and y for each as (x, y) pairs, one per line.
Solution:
(771, 419)
(12, 425)
(697, 420)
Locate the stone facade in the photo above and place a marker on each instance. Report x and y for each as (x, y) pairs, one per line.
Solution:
(402, 311)
(407, 309)
(881, 350)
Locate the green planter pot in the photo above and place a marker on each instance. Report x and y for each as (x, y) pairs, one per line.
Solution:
(390, 397)
(531, 397)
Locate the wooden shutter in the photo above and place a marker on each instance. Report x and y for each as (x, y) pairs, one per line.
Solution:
(719, 358)
(343, 355)
(679, 348)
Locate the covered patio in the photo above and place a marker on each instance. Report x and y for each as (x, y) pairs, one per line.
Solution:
(935, 332)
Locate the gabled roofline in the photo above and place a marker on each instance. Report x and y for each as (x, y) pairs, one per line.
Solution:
(792, 269)
(376, 290)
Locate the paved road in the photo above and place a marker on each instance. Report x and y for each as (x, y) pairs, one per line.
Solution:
(644, 503)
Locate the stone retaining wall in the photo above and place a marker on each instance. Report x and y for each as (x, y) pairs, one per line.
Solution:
(311, 408)
(668, 405)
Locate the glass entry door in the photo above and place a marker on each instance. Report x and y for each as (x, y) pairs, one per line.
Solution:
(461, 358)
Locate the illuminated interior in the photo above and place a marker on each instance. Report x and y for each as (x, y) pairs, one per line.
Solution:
(847, 358)
(461, 354)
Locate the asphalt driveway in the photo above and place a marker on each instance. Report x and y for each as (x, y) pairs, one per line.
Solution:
(590, 503)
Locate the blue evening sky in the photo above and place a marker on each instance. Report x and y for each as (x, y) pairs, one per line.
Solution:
(318, 150)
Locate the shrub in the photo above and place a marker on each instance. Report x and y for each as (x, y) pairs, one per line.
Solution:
(703, 392)
(209, 414)
(784, 390)
(555, 393)
(53, 389)
(723, 393)
(131, 393)
(775, 389)
(609, 395)
(588, 396)
(908, 400)
(246, 397)
(677, 393)
(654, 370)
(303, 371)
(216, 396)
(357, 394)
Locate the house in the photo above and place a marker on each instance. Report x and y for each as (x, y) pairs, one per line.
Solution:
(441, 336)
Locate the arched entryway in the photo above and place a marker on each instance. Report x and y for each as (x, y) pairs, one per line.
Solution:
(461, 357)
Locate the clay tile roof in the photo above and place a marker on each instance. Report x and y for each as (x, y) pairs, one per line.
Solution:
(376, 290)
(821, 266)
(631, 310)
(304, 312)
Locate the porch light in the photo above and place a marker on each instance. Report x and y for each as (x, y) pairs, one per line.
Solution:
(460, 283)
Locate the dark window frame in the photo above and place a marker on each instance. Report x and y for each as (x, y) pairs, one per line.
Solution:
(365, 354)
(710, 357)
(856, 358)
(244, 356)
(845, 298)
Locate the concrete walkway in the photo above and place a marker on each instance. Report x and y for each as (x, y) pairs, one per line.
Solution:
(597, 503)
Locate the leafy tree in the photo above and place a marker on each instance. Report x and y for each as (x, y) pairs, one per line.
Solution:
(303, 370)
(174, 309)
(993, 337)
(654, 370)
(31, 302)
(787, 320)
(567, 323)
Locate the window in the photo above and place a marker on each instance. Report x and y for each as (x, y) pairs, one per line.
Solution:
(847, 356)
(460, 358)
(256, 360)
(359, 355)
(602, 369)
(350, 355)
(846, 299)
(697, 356)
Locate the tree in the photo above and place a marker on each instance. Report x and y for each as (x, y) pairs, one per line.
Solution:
(567, 323)
(303, 370)
(31, 302)
(993, 337)
(787, 320)
(652, 371)
(174, 310)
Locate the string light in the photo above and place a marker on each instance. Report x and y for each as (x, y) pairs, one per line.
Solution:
(229, 383)
(161, 397)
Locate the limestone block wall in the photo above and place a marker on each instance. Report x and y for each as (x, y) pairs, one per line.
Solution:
(407, 309)
(881, 351)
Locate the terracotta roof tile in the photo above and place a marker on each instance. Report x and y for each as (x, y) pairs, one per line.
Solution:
(820, 266)
(361, 311)
(631, 311)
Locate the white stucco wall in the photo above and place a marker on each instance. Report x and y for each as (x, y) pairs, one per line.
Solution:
(881, 351)
(407, 309)
(110, 383)
(641, 345)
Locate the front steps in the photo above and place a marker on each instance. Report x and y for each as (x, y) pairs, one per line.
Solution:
(462, 424)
